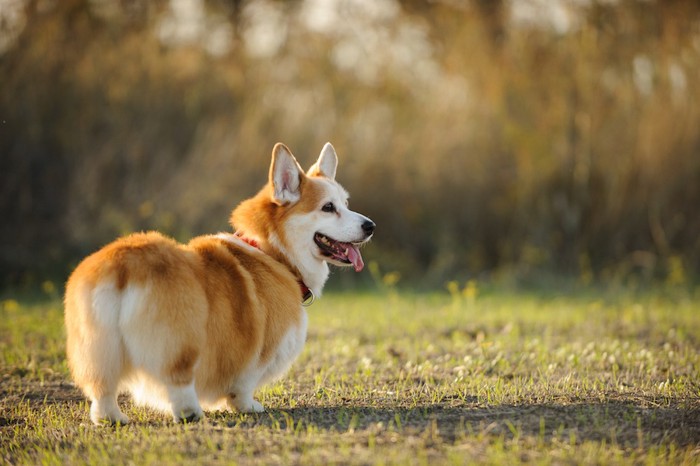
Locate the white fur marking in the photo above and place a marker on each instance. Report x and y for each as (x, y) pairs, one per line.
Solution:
(107, 409)
(132, 303)
(313, 271)
(106, 304)
(287, 351)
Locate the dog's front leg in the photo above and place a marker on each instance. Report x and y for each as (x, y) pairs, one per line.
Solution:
(244, 402)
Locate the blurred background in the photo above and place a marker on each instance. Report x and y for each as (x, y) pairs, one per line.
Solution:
(489, 139)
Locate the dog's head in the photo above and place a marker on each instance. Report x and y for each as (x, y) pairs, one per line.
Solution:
(305, 215)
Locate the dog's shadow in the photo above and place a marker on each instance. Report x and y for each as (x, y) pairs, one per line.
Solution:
(625, 422)
(614, 422)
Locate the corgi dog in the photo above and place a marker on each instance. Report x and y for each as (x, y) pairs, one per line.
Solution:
(202, 325)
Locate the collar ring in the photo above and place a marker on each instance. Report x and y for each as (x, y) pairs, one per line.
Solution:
(308, 298)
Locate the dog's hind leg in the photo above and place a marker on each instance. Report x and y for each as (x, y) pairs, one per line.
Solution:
(95, 351)
(181, 390)
(163, 337)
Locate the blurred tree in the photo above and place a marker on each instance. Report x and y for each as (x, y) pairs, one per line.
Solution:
(482, 136)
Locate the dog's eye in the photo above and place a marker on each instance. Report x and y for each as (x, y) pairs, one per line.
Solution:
(328, 207)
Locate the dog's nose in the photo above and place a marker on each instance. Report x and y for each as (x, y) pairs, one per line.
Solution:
(368, 227)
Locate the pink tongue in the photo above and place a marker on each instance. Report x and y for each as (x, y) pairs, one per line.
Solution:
(355, 257)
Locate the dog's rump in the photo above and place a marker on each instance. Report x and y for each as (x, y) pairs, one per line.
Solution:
(176, 310)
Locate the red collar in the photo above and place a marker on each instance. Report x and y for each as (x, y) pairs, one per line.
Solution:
(307, 296)
(250, 241)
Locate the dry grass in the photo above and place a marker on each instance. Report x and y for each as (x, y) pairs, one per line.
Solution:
(399, 378)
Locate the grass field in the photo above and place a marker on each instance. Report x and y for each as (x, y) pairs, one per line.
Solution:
(466, 377)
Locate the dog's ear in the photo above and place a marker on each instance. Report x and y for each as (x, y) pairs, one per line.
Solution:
(326, 164)
(285, 175)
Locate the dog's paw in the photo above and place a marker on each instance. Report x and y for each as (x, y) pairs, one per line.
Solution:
(244, 404)
(188, 415)
(248, 406)
(105, 412)
(109, 420)
(254, 407)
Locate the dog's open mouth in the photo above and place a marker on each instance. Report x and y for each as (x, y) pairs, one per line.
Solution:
(347, 253)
